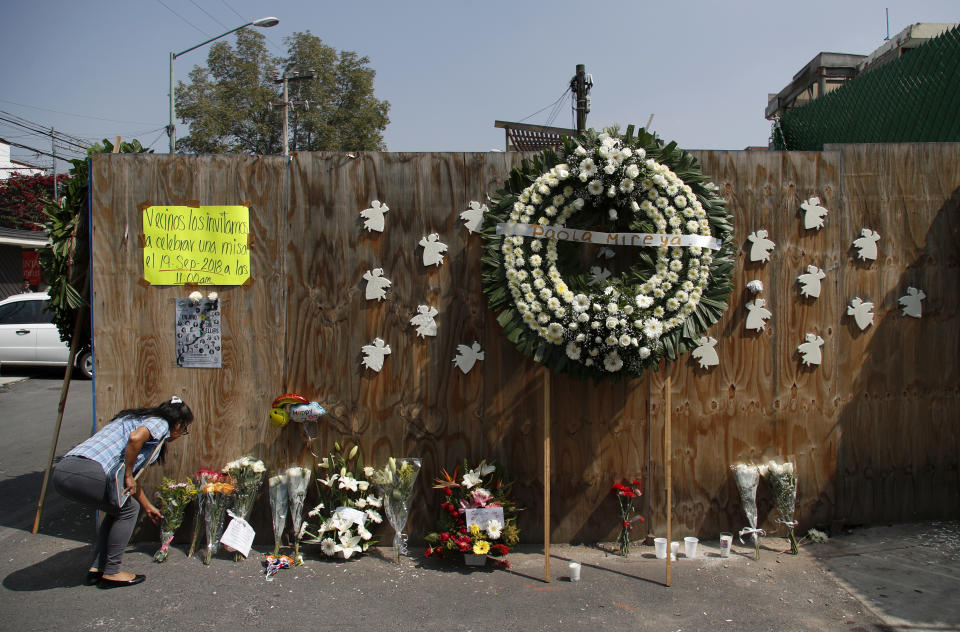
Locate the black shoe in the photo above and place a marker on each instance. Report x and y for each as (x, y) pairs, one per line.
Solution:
(117, 583)
(92, 578)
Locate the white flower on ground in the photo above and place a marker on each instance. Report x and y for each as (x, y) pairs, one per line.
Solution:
(612, 362)
(494, 528)
(374, 516)
(652, 328)
(581, 303)
(573, 350)
(595, 187)
(329, 547)
(349, 545)
(349, 483)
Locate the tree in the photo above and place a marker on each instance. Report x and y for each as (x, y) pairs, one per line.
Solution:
(22, 199)
(229, 104)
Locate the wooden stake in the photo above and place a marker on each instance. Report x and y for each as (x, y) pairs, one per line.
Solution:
(546, 474)
(668, 464)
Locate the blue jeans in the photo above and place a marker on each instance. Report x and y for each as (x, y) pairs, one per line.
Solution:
(84, 481)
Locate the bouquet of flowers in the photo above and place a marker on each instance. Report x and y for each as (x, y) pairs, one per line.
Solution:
(298, 479)
(279, 508)
(395, 482)
(247, 474)
(470, 532)
(783, 482)
(173, 498)
(626, 495)
(748, 479)
(202, 478)
(345, 505)
(216, 501)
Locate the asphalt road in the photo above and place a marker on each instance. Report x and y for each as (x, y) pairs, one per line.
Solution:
(877, 580)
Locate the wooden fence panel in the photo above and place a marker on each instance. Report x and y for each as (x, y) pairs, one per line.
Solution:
(871, 429)
(133, 323)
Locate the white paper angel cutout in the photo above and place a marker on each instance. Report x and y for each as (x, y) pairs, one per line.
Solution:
(374, 353)
(473, 216)
(813, 213)
(606, 253)
(468, 356)
(433, 250)
(758, 314)
(810, 352)
(373, 216)
(912, 302)
(424, 321)
(377, 284)
(867, 244)
(810, 282)
(598, 275)
(762, 247)
(705, 353)
(862, 312)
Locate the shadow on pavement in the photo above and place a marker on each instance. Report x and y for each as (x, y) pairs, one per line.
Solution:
(61, 570)
(63, 518)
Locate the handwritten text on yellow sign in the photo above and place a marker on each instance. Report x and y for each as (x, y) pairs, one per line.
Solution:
(206, 245)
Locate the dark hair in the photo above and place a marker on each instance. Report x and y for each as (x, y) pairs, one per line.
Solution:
(175, 412)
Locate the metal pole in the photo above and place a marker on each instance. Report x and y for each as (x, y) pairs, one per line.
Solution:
(53, 145)
(286, 117)
(171, 129)
(581, 90)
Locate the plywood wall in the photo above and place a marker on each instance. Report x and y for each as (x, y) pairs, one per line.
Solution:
(872, 430)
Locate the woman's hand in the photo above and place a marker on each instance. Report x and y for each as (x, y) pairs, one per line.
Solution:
(153, 513)
(129, 483)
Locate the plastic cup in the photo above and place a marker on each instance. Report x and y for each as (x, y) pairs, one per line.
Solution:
(690, 547)
(660, 544)
(726, 541)
(574, 571)
(674, 549)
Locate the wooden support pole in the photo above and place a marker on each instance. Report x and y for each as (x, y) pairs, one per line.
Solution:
(668, 465)
(546, 474)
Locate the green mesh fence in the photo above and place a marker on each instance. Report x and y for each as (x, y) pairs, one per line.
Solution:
(913, 99)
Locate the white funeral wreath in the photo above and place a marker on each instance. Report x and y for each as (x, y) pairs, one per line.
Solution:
(624, 323)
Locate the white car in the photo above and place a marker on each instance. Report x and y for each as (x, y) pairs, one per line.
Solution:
(29, 337)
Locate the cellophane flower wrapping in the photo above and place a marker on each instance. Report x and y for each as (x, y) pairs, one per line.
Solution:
(298, 481)
(279, 508)
(343, 484)
(172, 500)
(395, 481)
(747, 477)
(202, 478)
(217, 499)
(783, 482)
(482, 485)
(247, 474)
(627, 494)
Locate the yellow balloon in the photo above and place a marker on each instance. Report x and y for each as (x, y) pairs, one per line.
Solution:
(279, 417)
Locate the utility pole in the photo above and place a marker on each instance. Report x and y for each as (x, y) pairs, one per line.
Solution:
(580, 86)
(285, 79)
(53, 146)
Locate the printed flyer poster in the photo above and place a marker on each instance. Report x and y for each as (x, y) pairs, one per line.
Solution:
(198, 333)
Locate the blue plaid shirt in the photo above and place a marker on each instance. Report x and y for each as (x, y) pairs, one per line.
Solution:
(107, 447)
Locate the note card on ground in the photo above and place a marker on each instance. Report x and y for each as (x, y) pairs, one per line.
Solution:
(238, 536)
(203, 245)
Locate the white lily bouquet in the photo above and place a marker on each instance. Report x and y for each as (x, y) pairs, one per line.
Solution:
(748, 480)
(279, 508)
(339, 522)
(298, 480)
(395, 482)
(247, 474)
(783, 483)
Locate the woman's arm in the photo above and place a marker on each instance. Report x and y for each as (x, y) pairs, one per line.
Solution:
(134, 444)
(152, 512)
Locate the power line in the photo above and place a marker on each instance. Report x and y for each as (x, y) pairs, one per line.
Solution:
(204, 33)
(239, 15)
(552, 105)
(96, 118)
(209, 15)
(29, 126)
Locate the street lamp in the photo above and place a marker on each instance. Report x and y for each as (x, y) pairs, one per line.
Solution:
(171, 128)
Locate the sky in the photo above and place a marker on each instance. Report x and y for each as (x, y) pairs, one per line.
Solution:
(703, 69)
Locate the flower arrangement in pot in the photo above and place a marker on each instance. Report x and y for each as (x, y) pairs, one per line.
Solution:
(477, 516)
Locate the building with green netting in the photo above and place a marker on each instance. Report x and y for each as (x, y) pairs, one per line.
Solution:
(896, 94)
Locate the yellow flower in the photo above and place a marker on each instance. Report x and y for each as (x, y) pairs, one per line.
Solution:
(481, 547)
(474, 530)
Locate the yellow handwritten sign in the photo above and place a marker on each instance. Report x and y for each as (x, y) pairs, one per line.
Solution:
(206, 245)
